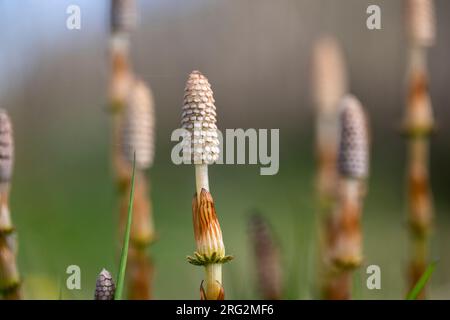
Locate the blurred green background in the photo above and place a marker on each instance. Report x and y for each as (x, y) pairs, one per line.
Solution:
(256, 54)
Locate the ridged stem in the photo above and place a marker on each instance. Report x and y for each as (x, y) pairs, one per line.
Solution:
(120, 42)
(346, 251)
(142, 232)
(326, 183)
(140, 274)
(420, 208)
(343, 241)
(326, 186)
(419, 193)
(417, 58)
(201, 178)
(338, 287)
(213, 281)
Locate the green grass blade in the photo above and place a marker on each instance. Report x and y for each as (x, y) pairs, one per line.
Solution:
(414, 293)
(126, 240)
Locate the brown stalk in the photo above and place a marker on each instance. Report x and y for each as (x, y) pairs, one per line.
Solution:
(419, 125)
(344, 242)
(419, 193)
(329, 80)
(347, 242)
(140, 274)
(267, 258)
(140, 265)
(132, 106)
(343, 236)
(338, 287)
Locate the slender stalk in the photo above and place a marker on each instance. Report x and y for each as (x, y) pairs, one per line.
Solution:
(420, 208)
(137, 135)
(126, 242)
(418, 125)
(140, 265)
(142, 228)
(213, 272)
(141, 268)
(329, 79)
(140, 274)
(421, 282)
(266, 253)
(338, 287)
(201, 178)
(347, 252)
(142, 235)
(132, 136)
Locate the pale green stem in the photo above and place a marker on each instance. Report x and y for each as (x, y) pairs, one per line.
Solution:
(201, 178)
(213, 280)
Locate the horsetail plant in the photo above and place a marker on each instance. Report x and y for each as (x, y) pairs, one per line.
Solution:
(131, 105)
(329, 86)
(267, 258)
(123, 21)
(9, 273)
(202, 148)
(353, 166)
(138, 138)
(418, 125)
(105, 287)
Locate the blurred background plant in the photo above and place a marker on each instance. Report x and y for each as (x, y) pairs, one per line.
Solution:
(257, 53)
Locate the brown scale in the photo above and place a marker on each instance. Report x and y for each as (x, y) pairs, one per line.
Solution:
(207, 232)
(347, 239)
(419, 114)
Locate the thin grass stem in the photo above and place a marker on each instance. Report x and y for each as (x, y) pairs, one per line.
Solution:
(126, 240)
